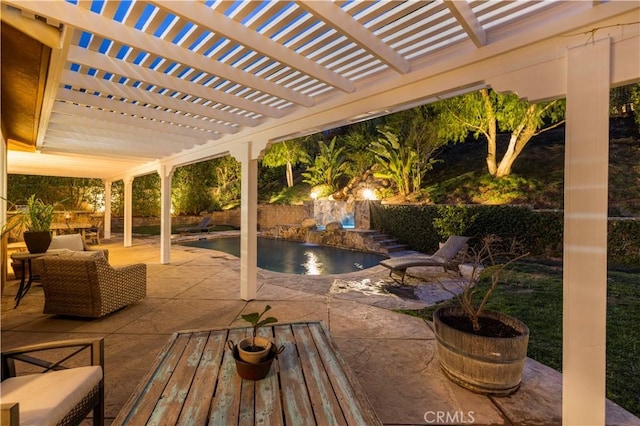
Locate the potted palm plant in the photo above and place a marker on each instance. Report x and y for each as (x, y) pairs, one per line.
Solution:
(35, 218)
(481, 350)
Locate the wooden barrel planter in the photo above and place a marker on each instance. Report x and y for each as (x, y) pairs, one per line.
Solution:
(487, 365)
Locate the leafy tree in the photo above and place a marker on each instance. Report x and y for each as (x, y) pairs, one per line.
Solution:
(328, 166)
(191, 188)
(65, 192)
(405, 152)
(145, 194)
(620, 100)
(486, 112)
(226, 192)
(419, 128)
(398, 162)
(356, 141)
(288, 153)
(634, 102)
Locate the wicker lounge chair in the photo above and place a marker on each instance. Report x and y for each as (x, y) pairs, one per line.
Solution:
(83, 284)
(204, 226)
(443, 257)
(62, 244)
(59, 395)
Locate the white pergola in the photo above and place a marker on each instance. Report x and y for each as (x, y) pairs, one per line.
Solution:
(143, 87)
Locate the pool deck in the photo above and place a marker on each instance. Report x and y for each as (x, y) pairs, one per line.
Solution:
(391, 354)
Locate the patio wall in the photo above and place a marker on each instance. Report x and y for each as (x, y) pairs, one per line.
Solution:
(269, 216)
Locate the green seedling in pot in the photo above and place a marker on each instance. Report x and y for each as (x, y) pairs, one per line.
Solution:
(255, 320)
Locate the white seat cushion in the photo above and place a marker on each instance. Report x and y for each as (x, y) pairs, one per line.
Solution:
(46, 398)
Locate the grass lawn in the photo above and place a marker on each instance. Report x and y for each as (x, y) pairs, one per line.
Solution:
(534, 295)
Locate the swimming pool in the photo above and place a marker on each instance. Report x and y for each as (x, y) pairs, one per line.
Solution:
(293, 257)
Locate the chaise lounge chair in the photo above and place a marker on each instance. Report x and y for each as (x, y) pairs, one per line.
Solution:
(443, 257)
(203, 226)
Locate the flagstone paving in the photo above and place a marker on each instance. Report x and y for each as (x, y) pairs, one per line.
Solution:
(391, 354)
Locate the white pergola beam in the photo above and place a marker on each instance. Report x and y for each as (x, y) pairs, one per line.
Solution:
(203, 16)
(118, 90)
(169, 131)
(160, 114)
(125, 131)
(70, 165)
(36, 29)
(463, 13)
(106, 63)
(75, 142)
(122, 138)
(350, 28)
(85, 20)
(56, 65)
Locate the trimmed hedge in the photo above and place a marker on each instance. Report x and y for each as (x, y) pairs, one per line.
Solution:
(624, 242)
(422, 227)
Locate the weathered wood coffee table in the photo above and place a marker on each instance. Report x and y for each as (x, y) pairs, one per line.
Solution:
(194, 381)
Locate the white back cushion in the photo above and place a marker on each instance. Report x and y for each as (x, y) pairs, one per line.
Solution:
(69, 242)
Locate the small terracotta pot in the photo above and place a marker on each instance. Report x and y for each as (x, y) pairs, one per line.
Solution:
(254, 371)
(247, 354)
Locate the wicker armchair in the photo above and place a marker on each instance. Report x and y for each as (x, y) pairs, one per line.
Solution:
(83, 284)
(62, 244)
(62, 394)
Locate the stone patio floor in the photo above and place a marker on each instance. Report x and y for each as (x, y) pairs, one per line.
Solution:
(391, 354)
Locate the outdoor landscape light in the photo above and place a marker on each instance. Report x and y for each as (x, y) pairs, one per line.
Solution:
(368, 194)
(314, 195)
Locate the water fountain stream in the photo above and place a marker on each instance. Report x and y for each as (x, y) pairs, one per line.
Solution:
(328, 211)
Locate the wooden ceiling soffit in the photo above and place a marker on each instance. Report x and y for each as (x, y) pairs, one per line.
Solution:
(24, 65)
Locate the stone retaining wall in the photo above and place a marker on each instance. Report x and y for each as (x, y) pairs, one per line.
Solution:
(355, 239)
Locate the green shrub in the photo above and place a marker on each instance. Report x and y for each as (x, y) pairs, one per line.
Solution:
(624, 242)
(421, 227)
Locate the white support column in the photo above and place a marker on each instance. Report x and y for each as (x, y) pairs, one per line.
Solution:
(128, 210)
(585, 234)
(107, 209)
(248, 222)
(166, 173)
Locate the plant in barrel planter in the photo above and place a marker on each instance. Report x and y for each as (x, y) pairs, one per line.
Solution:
(481, 350)
(254, 355)
(35, 218)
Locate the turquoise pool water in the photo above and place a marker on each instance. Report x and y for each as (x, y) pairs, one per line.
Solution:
(296, 258)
